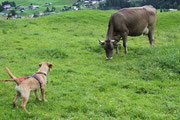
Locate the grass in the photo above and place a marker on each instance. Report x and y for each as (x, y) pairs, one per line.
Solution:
(82, 85)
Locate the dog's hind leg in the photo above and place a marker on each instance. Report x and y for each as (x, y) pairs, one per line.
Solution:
(18, 95)
(43, 94)
(25, 98)
(36, 94)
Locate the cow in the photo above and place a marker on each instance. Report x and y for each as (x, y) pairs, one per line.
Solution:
(133, 21)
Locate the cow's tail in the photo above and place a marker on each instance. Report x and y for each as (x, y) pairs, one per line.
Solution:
(12, 76)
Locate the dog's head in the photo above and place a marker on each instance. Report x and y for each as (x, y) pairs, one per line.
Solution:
(48, 64)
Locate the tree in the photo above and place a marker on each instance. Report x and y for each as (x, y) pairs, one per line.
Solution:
(53, 9)
(1, 8)
(175, 5)
(36, 14)
(5, 3)
(47, 10)
(114, 4)
(161, 10)
(117, 4)
(162, 3)
(102, 5)
(13, 4)
(13, 12)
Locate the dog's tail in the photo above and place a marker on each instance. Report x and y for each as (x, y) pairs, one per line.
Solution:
(12, 76)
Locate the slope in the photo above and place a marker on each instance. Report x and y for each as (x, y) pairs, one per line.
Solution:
(141, 85)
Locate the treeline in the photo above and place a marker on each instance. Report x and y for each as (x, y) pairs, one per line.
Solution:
(12, 4)
(1, 8)
(159, 4)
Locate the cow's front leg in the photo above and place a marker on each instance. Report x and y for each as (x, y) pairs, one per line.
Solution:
(125, 44)
(117, 48)
(117, 39)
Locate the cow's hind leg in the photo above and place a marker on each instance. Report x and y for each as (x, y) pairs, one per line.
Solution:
(125, 43)
(151, 37)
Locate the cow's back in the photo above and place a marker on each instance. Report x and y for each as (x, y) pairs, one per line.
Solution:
(133, 20)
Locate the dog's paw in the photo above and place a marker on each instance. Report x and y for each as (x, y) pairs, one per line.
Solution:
(28, 112)
(38, 99)
(44, 100)
(15, 106)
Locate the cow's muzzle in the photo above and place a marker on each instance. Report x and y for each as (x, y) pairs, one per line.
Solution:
(110, 58)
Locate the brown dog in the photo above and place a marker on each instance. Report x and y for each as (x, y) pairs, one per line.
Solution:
(37, 81)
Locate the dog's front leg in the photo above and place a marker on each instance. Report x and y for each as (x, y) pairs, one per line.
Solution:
(43, 94)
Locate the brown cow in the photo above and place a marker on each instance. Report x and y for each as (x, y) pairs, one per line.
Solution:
(133, 21)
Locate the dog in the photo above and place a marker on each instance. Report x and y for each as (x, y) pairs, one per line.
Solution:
(33, 83)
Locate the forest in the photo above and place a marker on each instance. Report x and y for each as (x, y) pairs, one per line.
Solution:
(159, 4)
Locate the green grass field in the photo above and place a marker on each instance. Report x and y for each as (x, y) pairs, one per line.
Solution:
(83, 85)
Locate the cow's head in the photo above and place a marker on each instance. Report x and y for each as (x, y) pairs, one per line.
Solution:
(108, 47)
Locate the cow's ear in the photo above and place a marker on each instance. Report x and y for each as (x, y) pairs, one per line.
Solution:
(115, 43)
(101, 42)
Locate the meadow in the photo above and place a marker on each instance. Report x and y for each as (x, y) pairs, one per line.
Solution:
(144, 84)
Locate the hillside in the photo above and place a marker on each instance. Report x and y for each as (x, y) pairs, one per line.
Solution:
(141, 85)
(58, 4)
(41, 2)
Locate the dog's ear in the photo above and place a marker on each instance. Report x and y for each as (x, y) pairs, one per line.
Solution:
(40, 64)
(50, 66)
